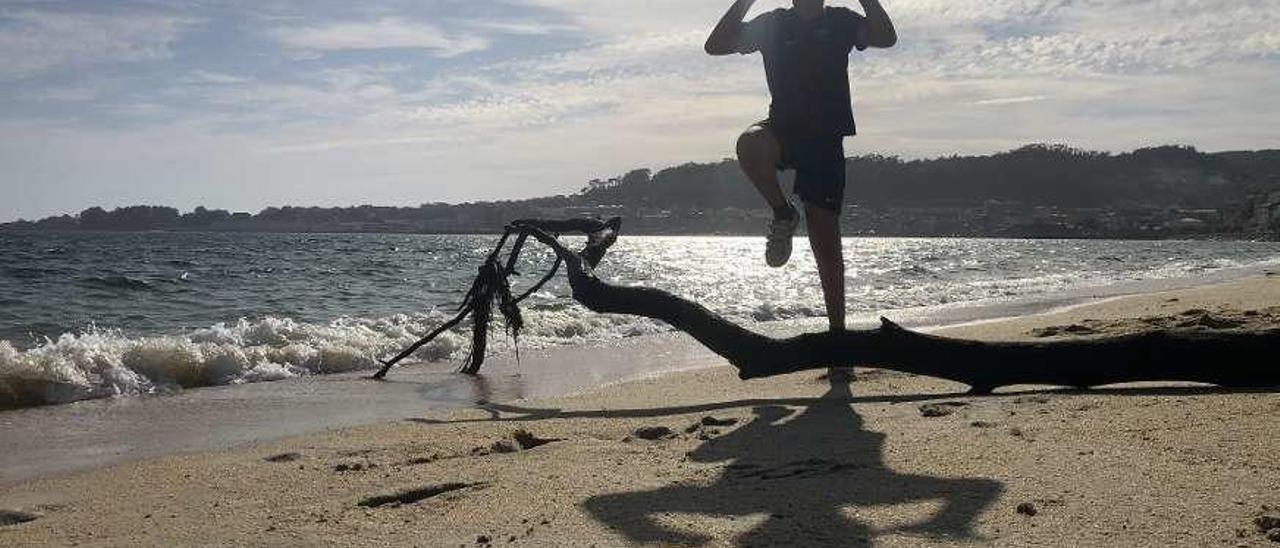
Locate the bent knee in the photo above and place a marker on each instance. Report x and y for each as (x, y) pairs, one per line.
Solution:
(757, 143)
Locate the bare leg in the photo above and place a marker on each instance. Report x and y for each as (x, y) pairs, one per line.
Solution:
(759, 154)
(824, 238)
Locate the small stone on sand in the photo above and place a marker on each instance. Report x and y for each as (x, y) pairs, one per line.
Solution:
(654, 433)
(1267, 521)
(1027, 509)
(284, 457)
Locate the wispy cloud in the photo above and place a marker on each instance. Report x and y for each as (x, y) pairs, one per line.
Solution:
(212, 78)
(37, 42)
(1011, 100)
(518, 27)
(384, 33)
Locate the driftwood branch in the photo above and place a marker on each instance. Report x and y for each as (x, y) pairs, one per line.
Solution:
(493, 283)
(1229, 359)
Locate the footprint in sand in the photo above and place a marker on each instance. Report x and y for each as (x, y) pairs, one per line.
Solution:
(354, 466)
(520, 440)
(654, 433)
(1062, 330)
(709, 427)
(15, 517)
(423, 460)
(941, 409)
(528, 440)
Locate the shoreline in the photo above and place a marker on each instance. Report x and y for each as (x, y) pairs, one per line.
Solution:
(1123, 237)
(54, 440)
(699, 456)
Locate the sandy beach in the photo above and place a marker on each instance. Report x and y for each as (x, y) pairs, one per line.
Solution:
(703, 459)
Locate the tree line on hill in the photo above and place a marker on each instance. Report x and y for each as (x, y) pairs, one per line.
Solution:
(1057, 176)
(1038, 175)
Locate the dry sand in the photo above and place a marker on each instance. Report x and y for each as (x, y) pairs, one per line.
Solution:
(704, 459)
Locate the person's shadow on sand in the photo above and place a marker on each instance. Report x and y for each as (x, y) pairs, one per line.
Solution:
(809, 476)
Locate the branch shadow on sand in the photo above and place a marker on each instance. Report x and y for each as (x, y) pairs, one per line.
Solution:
(804, 468)
(804, 471)
(809, 472)
(484, 396)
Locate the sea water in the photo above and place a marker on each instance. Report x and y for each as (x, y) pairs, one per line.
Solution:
(97, 315)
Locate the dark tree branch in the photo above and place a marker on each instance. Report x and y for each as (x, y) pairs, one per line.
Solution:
(388, 364)
(1229, 359)
(1224, 359)
(555, 268)
(493, 283)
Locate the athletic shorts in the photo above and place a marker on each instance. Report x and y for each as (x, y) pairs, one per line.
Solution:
(819, 164)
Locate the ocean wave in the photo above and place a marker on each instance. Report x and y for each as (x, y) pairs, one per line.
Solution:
(105, 363)
(102, 363)
(117, 282)
(771, 312)
(29, 273)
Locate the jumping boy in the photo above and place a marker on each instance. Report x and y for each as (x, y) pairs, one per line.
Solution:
(806, 62)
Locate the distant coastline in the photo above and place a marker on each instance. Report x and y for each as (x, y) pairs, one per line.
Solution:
(1037, 191)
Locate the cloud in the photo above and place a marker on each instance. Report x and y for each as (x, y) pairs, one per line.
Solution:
(35, 42)
(78, 92)
(656, 97)
(519, 27)
(1011, 100)
(198, 77)
(337, 144)
(606, 86)
(384, 33)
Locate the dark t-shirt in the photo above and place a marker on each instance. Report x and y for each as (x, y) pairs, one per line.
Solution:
(807, 65)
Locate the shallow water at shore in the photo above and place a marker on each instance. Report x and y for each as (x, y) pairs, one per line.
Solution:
(102, 315)
(88, 434)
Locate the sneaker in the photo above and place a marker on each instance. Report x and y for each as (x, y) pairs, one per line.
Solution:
(778, 250)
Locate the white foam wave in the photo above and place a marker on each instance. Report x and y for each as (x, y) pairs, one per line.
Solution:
(104, 363)
(774, 311)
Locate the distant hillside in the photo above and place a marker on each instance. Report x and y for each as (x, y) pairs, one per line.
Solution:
(1037, 190)
(1046, 175)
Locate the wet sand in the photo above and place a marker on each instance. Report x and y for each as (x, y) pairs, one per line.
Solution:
(700, 458)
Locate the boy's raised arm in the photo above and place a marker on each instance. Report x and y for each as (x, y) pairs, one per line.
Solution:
(724, 38)
(880, 31)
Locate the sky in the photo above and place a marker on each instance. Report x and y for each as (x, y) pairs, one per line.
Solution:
(244, 104)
